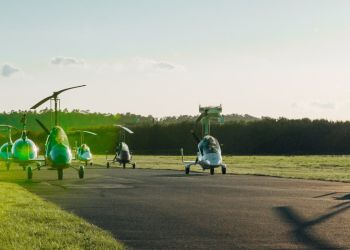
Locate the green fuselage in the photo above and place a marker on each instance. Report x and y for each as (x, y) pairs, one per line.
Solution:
(57, 150)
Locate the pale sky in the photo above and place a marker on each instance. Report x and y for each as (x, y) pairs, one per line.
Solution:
(275, 58)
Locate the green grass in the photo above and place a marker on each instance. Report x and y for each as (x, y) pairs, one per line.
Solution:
(330, 168)
(29, 222)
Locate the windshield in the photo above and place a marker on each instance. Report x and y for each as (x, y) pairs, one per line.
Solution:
(209, 145)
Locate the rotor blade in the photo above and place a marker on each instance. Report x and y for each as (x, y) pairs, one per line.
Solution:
(200, 117)
(43, 126)
(89, 132)
(125, 128)
(56, 93)
(195, 137)
(42, 101)
(5, 126)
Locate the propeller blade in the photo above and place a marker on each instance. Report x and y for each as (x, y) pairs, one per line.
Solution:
(125, 128)
(54, 95)
(195, 137)
(43, 126)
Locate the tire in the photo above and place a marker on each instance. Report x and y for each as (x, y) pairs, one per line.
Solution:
(60, 173)
(134, 165)
(124, 165)
(187, 170)
(7, 166)
(29, 173)
(90, 163)
(86, 163)
(81, 172)
(108, 165)
(212, 170)
(223, 170)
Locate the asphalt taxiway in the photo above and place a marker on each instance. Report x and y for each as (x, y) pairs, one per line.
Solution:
(162, 209)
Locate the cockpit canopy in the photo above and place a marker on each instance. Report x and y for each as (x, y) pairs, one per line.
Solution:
(122, 147)
(208, 145)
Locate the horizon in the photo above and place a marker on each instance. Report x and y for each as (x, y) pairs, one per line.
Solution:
(262, 58)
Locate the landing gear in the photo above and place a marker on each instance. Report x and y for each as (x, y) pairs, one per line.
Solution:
(212, 170)
(90, 163)
(187, 170)
(60, 173)
(81, 172)
(133, 165)
(38, 166)
(7, 166)
(86, 163)
(107, 165)
(124, 165)
(29, 172)
(223, 170)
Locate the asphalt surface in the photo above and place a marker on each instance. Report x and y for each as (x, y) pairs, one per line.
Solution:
(161, 209)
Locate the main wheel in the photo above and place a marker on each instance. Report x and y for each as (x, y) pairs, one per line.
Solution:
(211, 170)
(60, 173)
(90, 163)
(7, 166)
(86, 163)
(29, 172)
(187, 170)
(81, 172)
(223, 170)
(108, 165)
(124, 165)
(133, 165)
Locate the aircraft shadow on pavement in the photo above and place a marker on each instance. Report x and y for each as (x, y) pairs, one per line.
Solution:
(301, 227)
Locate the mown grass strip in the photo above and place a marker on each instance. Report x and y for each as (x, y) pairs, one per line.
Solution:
(29, 222)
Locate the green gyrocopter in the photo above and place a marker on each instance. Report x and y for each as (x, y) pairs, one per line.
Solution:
(23, 151)
(83, 152)
(58, 153)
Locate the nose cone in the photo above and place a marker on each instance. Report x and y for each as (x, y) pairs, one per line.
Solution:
(60, 155)
(24, 150)
(213, 159)
(85, 156)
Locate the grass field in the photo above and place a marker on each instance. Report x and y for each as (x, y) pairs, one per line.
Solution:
(28, 222)
(331, 168)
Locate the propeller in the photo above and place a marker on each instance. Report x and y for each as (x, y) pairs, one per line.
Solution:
(195, 137)
(54, 96)
(43, 126)
(124, 128)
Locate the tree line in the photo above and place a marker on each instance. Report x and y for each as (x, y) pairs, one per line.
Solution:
(252, 136)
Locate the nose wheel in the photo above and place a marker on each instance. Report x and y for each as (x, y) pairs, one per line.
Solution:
(81, 172)
(212, 171)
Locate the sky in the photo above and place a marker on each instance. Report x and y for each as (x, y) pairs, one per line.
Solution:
(277, 58)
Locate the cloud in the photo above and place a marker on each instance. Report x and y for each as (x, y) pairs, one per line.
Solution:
(151, 64)
(327, 105)
(66, 61)
(7, 70)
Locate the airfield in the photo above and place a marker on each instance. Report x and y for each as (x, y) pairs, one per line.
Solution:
(165, 209)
